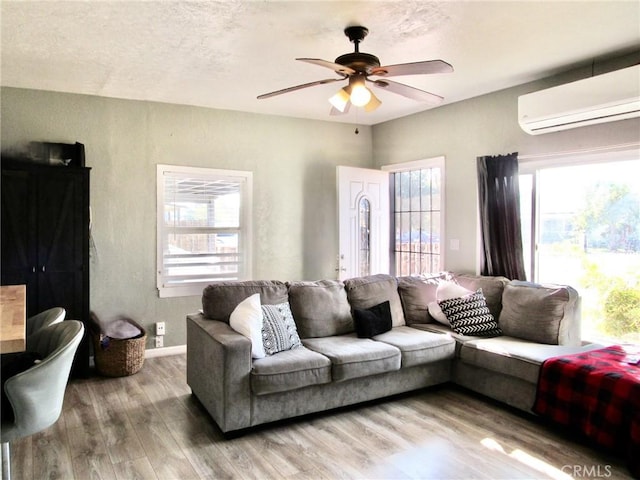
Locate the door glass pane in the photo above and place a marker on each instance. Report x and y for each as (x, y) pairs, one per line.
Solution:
(397, 186)
(405, 231)
(425, 189)
(365, 236)
(416, 190)
(405, 191)
(415, 231)
(436, 189)
(397, 219)
(436, 234)
(426, 233)
(589, 238)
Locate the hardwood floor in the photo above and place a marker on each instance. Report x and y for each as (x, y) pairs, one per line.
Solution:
(149, 426)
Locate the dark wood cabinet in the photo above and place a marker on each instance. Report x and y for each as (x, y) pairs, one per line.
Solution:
(45, 240)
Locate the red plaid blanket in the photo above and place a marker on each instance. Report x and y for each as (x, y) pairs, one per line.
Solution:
(596, 393)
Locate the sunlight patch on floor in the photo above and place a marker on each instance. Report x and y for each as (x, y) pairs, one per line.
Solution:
(527, 459)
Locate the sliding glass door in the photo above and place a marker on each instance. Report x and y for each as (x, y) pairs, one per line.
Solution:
(581, 227)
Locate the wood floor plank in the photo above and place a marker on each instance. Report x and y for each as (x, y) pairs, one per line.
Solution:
(89, 455)
(51, 453)
(78, 408)
(149, 426)
(164, 453)
(121, 439)
(204, 454)
(139, 469)
(247, 459)
(22, 458)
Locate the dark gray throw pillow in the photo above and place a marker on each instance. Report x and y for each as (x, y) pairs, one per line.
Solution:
(373, 320)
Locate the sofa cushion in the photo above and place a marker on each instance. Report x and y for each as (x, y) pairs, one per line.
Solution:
(289, 370)
(365, 292)
(279, 331)
(373, 320)
(353, 357)
(469, 315)
(416, 292)
(320, 309)
(417, 346)
(537, 312)
(492, 288)
(514, 356)
(219, 299)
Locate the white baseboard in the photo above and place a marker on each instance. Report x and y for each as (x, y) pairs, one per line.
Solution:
(153, 352)
(165, 351)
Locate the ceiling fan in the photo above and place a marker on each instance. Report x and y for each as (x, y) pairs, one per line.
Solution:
(358, 66)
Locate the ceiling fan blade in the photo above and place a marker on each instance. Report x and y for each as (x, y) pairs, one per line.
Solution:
(415, 68)
(336, 67)
(335, 111)
(407, 91)
(299, 87)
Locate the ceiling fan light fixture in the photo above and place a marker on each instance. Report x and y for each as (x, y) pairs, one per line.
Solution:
(360, 94)
(340, 99)
(373, 104)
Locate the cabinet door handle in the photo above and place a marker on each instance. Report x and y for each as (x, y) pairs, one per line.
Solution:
(33, 270)
(43, 269)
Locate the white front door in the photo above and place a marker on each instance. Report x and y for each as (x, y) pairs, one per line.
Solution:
(363, 222)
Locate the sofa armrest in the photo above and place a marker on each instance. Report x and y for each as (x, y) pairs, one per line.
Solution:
(218, 371)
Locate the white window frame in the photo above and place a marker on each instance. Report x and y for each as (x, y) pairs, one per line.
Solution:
(245, 245)
(433, 162)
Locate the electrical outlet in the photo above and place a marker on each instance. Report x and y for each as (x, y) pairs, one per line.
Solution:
(159, 341)
(160, 330)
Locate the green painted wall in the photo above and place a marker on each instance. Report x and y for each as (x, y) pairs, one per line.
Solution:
(293, 162)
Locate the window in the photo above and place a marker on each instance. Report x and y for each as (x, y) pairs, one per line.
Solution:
(417, 216)
(581, 227)
(204, 228)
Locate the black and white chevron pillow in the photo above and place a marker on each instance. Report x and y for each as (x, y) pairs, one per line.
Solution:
(469, 315)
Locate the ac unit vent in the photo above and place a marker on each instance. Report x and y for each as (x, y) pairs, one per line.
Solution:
(604, 98)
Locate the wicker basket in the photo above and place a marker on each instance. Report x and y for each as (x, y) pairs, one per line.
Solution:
(119, 358)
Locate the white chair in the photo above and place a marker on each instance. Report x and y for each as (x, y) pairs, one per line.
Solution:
(44, 319)
(36, 394)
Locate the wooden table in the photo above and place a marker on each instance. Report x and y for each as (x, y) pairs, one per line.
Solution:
(13, 317)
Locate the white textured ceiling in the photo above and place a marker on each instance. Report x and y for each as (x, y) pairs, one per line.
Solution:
(223, 54)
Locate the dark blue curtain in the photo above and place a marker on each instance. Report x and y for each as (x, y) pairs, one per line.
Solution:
(501, 237)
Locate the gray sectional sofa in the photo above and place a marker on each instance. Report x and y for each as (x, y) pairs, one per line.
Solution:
(334, 367)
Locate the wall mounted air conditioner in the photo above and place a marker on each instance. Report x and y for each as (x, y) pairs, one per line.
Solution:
(603, 98)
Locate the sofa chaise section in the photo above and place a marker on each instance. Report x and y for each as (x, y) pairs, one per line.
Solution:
(538, 322)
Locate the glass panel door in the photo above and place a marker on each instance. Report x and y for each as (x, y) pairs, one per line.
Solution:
(588, 236)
